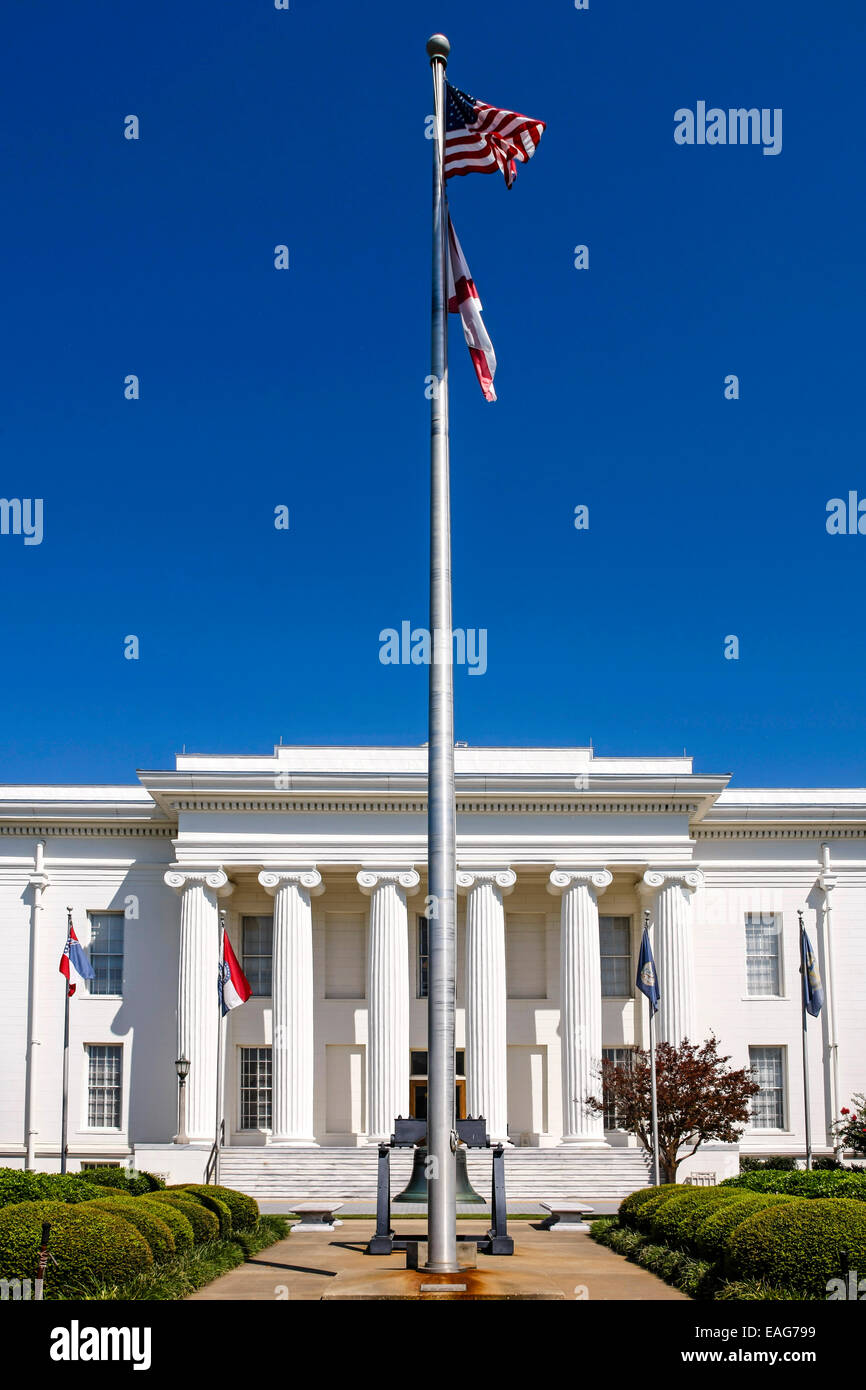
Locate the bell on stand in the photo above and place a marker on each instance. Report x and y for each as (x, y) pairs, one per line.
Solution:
(416, 1188)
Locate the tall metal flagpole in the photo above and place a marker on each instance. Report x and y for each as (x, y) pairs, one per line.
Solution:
(221, 1048)
(653, 1095)
(806, 1097)
(441, 816)
(64, 1112)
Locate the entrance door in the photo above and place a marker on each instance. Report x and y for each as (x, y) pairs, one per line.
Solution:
(418, 1098)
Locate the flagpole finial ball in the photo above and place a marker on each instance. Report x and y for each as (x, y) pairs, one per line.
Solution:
(438, 47)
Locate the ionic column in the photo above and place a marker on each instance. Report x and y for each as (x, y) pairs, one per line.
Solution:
(580, 999)
(673, 948)
(197, 1007)
(486, 996)
(293, 1002)
(387, 997)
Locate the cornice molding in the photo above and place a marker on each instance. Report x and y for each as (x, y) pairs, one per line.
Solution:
(631, 806)
(779, 832)
(135, 830)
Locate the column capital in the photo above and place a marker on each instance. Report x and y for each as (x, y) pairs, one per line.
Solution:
(503, 879)
(369, 880)
(563, 879)
(272, 880)
(688, 879)
(215, 879)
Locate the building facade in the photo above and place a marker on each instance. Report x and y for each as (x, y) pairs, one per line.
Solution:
(315, 860)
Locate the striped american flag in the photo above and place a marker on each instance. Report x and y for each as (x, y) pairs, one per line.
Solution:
(479, 139)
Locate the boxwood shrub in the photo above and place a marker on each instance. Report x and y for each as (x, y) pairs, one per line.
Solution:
(126, 1180)
(205, 1224)
(712, 1233)
(630, 1206)
(205, 1198)
(676, 1220)
(244, 1209)
(145, 1219)
(16, 1185)
(834, 1182)
(800, 1245)
(174, 1219)
(84, 1243)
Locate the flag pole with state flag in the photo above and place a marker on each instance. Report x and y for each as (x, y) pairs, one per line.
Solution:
(233, 989)
(648, 984)
(72, 955)
(470, 136)
(812, 1001)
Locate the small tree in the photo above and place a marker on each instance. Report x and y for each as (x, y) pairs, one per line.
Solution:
(699, 1098)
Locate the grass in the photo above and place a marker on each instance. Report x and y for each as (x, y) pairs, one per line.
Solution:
(181, 1276)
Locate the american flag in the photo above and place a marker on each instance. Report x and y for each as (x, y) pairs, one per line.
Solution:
(463, 300)
(479, 139)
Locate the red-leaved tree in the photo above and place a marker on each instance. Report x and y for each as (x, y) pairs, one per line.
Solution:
(699, 1098)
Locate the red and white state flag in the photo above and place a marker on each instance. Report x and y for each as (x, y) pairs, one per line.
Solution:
(463, 300)
(234, 987)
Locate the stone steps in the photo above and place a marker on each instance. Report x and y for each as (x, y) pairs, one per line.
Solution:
(350, 1173)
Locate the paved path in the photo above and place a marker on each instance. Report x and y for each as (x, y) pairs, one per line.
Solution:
(303, 1266)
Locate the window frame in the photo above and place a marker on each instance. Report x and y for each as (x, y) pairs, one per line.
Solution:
(247, 918)
(90, 1086)
(780, 954)
(422, 957)
(630, 1049)
(783, 1088)
(620, 917)
(258, 1128)
(92, 914)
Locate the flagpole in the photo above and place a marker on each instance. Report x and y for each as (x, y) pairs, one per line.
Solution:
(441, 816)
(806, 1096)
(221, 1041)
(64, 1112)
(653, 1093)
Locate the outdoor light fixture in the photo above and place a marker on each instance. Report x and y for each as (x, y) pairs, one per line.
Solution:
(181, 1066)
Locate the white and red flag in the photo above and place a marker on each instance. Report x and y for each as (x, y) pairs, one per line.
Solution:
(234, 987)
(463, 300)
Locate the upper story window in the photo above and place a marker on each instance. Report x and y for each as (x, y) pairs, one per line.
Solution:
(258, 950)
(763, 953)
(617, 976)
(106, 953)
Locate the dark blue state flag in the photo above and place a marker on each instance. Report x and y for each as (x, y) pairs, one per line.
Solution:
(646, 978)
(813, 989)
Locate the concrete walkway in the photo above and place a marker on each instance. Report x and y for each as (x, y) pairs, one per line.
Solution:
(573, 1264)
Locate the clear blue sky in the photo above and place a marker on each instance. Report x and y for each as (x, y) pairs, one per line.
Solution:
(306, 387)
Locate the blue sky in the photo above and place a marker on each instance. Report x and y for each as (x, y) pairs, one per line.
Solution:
(306, 387)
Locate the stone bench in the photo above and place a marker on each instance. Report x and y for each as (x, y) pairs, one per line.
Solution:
(316, 1215)
(565, 1216)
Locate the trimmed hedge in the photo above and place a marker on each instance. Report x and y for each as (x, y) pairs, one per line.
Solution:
(16, 1185)
(630, 1206)
(833, 1182)
(125, 1180)
(676, 1220)
(712, 1234)
(205, 1225)
(180, 1228)
(244, 1209)
(204, 1197)
(800, 1245)
(145, 1220)
(83, 1243)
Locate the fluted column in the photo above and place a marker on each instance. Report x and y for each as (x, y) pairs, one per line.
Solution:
(387, 997)
(197, 1007)
(486, 996)
(292, 1057)
(580, 999)
(668, 893)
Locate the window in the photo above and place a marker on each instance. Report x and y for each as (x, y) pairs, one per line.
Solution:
(255, 1088)
(106, 953)
(258, 949)
(621, 1057)
(87, 1166)
(768, 1106)
(104, 1073)
(763, 953)
(616, 971)
(423, 957)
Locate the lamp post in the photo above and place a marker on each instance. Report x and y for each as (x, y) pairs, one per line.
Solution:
(181, 1066)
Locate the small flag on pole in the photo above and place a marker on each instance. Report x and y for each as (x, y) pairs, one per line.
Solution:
(647, 979)
(463, 300)
(234, 987)
(479, 139)
(813, 989)
(73, 952)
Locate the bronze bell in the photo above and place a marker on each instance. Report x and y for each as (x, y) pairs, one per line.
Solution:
(416, 1188)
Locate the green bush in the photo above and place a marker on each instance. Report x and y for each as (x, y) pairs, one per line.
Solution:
(205, 1198)
(675, 1221)
(16, 1185)
(244, 1209)
(180, 1228)
(834, 1182)
(711, 1235)
(146, 1220)
(83, 1244)
(779, 1163)
(205, 1224)
(800, 1245)
(631, 1208)
(126, 1180)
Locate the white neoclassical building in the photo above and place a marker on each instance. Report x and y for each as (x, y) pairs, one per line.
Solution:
(315, 859)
